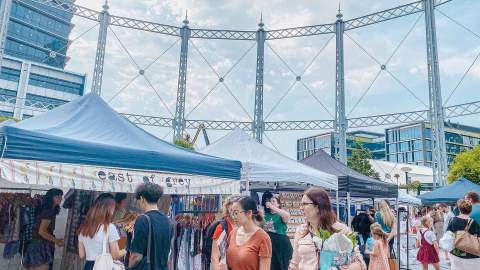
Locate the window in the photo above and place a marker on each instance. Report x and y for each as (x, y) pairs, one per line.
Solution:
(428, 133)
(57, 84)
(429, 155)
(417, 145)
(10, 74)
(403, 147)
(417, 156)
(36, 37)
(43, 102)
(25, 51)
(6, 114)
(8, 96)
(34, 17)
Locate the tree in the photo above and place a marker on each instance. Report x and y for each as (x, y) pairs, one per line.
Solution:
(359, 161)
(466, 164)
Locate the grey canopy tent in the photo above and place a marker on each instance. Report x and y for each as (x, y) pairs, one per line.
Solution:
(357, 184)
(450, 193)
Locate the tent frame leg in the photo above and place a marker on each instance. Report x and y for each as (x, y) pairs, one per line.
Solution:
(337, 203)
(349, 218)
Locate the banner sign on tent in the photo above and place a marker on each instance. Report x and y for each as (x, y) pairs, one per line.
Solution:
(86, 177)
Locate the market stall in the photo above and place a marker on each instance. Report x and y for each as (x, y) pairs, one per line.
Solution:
(450, 193)
(266, 169)
(351, 184)
(86, 147)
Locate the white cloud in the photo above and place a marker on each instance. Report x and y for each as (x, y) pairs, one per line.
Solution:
(408, 64)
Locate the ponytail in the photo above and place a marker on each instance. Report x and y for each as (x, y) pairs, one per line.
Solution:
(257, 216)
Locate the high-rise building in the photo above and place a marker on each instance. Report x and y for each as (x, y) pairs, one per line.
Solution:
(32, 76)
(375, 142)
(412, 143)
(39, 32)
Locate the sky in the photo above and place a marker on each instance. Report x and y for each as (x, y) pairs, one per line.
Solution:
(399, 44)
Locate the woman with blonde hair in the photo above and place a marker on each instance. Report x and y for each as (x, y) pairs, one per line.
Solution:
(385, 218)
(379, 253)
(428, 245)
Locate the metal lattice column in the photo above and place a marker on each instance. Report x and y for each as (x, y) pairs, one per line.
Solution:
(22, 90)
(5, 8)
(440, 168)
(100, 54)
(258, 124)
(340, 123)
(179, 120)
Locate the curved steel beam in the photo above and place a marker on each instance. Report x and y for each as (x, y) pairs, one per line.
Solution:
(145, 26)
(223, 34)
(312, 30)
(301, 31)
(389, 14)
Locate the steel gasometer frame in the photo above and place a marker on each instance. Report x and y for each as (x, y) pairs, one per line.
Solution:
(436, 113)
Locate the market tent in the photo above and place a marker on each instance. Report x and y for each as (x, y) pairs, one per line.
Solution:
(86, 132)
(350, 180)
(450, 193)
(404, 197)
(262, 165)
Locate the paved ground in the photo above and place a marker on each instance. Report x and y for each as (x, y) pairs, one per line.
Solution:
(443, 264)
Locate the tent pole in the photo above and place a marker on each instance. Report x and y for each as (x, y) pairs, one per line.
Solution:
(408, 233)
(349, 219)
(398, 233)
(337, 203)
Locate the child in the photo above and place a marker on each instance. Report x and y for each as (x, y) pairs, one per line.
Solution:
(379, 253)
(428, 244)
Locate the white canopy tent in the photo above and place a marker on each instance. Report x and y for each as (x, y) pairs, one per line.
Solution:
(404, 197)
(265, 168)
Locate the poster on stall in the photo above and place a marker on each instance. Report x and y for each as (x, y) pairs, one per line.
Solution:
(291, 202)
(62, 175)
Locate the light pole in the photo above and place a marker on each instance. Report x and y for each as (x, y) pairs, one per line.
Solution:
(406, 170)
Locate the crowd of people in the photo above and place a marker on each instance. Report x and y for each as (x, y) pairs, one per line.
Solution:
(253, 235)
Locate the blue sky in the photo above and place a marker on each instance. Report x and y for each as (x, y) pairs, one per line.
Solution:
(457, 50)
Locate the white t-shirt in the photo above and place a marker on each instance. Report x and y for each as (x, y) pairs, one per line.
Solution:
(93, 246)
(429, 236)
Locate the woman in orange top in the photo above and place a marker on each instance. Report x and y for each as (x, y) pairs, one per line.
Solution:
(249, 246)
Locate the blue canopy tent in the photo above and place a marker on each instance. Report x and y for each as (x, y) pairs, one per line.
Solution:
(87, 137)
(450, 193)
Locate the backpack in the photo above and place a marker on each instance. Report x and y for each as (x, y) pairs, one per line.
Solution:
(208, 240)
(105, 260)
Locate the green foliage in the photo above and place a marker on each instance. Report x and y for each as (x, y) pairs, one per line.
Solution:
(183, 143)
(414, 186)
(359, 161)
(466, 164)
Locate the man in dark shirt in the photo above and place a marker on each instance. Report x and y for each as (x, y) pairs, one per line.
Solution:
(147, 195)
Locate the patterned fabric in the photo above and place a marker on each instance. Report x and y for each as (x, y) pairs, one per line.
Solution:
(28, 222)
(79, 207)
(38, 252)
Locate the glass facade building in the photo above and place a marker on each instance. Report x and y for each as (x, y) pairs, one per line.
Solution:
(413, 144)
(39, 33)
(32, 78)
(375, 142)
